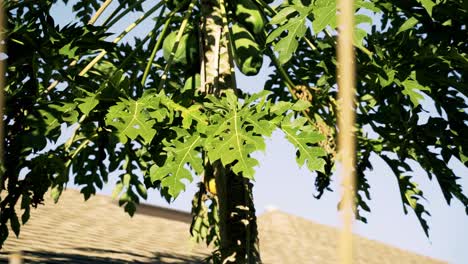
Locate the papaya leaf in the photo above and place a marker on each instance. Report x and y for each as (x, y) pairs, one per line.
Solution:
(132, 118)
(409, 191)
(26, 206)
(68, 111)
(231, 142)
(117, 190)
(295, 28)
(237, 131)
(412, 89)
(15, 224)
(408, 24)
(428, 5)
(180, 152)
(282, 15)
(188, 114)
(69, 51)
(324, 12)
(50, 120)
(87, 104)
(304, 138)
(281, 107)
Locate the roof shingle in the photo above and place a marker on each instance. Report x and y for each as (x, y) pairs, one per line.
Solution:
(97, 231)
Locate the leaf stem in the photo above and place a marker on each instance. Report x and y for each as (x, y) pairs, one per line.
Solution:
(79, 148)
(157, 45)
(110, 23)
(267, 7)
(287, 81)
(91, 22)
(134, 51)
(91, 64)
(99, 12)
(73, 134)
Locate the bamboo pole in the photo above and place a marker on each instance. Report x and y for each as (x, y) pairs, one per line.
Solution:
(15, 258)
(2, 90)
(346, 121)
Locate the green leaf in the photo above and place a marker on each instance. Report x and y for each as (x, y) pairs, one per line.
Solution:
(409, 191)
(362, 19)
(126, 180)
(55, 192)
(26, 206)
(358, 37)
(295, 28)
(188, 114)
(179, 154)
(117, 190)
(15, 224)
(408, 24)
(304, 138)
(324, 12)
(411, 196)
(142, 191)
(301, 105)
(236, 133)
(68, 51)
(428, 5)
(130, 208)
(87, 103)
(288, 45)
(68, 111)
(50, 120)
(233, 143)
(412, 89)
(366, 5)
(282, 15)
(281, 107)
(132, 118)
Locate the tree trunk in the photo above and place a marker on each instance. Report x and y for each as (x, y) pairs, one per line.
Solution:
(237, 221)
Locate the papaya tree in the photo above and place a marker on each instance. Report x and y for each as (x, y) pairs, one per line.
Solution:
(166, 109)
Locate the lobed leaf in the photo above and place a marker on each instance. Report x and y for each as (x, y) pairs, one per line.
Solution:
(132, 118)
(180, 152)
(304, 138)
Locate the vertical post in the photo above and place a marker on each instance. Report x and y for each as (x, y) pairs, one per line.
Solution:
(15, 258)
(2, 89)
(346, 120)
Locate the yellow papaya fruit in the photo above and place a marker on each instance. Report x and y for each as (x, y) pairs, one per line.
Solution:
(211, 186)
(248, 56)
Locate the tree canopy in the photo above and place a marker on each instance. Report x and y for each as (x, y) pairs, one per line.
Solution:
(154, 113)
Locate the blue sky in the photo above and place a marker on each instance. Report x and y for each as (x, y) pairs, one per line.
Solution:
(282, 185)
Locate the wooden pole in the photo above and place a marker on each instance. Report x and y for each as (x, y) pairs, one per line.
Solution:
(15, 258)
(346, 121)
(2, 89)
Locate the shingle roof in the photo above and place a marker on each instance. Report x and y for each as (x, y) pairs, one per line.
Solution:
(286, 238)
(96, 231)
